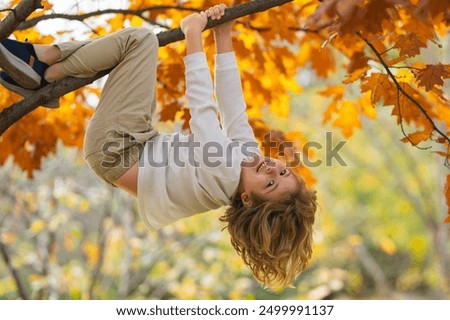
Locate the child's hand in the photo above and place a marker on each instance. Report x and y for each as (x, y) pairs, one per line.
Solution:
(195, 22)
(216, 13)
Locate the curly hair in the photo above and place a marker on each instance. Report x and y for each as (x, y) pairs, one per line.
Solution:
(274, 238)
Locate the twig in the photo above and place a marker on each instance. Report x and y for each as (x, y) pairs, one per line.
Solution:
(399, 87)
(7, 9)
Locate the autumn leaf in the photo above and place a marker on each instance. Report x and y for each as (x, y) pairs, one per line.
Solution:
(417, 137)
(367, 108)
(380, 87)
(356, 75)
(347, 118)
(410, 44)
(169, 111)
(323, 62)
(358, 61)
(404, 75)
(433, 74)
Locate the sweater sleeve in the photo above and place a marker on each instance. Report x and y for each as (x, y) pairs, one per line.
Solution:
(204, 122)
(231, 99)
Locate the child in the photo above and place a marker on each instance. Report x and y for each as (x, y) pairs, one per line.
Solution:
(173, 175)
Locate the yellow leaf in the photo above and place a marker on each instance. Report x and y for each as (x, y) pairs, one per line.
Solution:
(332, 109)
(37, 226)
(248, 39)
(365, 103)
(347, 118)
(336, 91)
(116, 23)
(136, 21)
(404, 75)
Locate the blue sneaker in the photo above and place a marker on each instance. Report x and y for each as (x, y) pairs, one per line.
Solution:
(19, 61)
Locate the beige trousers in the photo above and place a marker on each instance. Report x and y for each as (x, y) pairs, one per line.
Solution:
(121, 123)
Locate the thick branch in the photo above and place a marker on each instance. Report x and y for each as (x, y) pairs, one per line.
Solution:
(17, 16)
(80, 17)
(400, 88)
(18, 110)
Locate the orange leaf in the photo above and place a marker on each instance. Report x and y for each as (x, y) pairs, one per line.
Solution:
(410, 44)
(169, 111)
(336, 92)
(417, 137)
(323, 62)
(359, 60)
(348, 118)
(380, 87)
(432, 75)
(355, 75)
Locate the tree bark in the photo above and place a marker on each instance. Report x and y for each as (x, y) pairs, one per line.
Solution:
(18, 110)
(17, 16)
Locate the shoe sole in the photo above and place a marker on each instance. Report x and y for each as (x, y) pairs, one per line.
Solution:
(18, 70)
(53, 104)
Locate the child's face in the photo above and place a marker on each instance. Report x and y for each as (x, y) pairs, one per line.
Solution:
(266, 178)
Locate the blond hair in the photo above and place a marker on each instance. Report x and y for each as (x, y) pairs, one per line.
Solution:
(274, 238)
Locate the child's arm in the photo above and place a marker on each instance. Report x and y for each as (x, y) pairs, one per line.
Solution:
(204, 121)
(228, 83)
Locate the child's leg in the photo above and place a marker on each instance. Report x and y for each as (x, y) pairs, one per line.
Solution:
(122, 120)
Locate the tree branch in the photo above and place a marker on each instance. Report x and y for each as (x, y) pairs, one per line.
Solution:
(400, 88)
(17, 16)
(80, 17)
(18, 110)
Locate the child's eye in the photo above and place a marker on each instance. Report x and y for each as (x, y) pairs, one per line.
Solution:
(271, 182)
(283, 172)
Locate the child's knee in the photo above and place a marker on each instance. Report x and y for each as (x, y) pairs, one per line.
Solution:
(143, 34)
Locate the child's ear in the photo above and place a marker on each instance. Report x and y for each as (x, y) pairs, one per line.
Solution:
(245, 198)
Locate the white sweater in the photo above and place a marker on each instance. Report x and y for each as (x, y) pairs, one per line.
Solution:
(181, 175)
